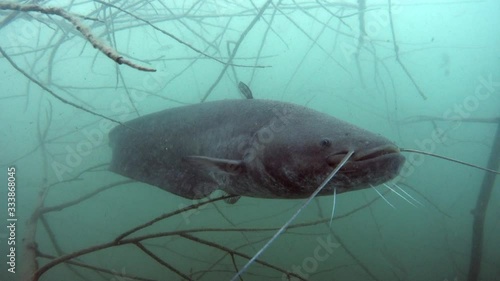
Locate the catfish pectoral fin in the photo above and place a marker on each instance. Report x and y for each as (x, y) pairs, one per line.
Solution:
(232, 200)
(226, 166)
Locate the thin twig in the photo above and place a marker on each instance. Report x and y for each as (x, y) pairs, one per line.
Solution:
(425, 118)
(396, 50)
(232, 252)
(172, 36)
(170, 214)
(32, 79)
(30, 248)
(98, 269)
(57, 247)
(84, 197)
(235, 50)
(161, 261)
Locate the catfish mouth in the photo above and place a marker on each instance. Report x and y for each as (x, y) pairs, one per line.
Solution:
(365, 156)
(372, 166)
(375, 153)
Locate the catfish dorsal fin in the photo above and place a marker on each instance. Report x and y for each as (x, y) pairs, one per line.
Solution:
(220, 165)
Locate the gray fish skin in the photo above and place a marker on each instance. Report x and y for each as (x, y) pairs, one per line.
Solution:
(255, 148)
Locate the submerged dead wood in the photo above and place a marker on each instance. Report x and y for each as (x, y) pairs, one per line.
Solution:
(479, 212)
(189, 234)
(85, 31)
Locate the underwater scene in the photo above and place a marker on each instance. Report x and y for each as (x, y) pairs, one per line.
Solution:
(344, 140)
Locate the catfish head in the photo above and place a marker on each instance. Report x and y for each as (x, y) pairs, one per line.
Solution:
(299, 155)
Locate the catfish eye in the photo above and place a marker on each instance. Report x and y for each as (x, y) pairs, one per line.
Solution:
(326, 143)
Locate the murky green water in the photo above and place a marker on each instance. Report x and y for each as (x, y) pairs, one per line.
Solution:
(428, 79)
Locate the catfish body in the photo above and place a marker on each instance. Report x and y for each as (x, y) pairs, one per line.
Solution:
(256, 148)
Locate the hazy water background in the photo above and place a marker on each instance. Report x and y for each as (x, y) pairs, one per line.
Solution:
(449, 47)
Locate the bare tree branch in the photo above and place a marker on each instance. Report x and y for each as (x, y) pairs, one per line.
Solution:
(85, 31)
